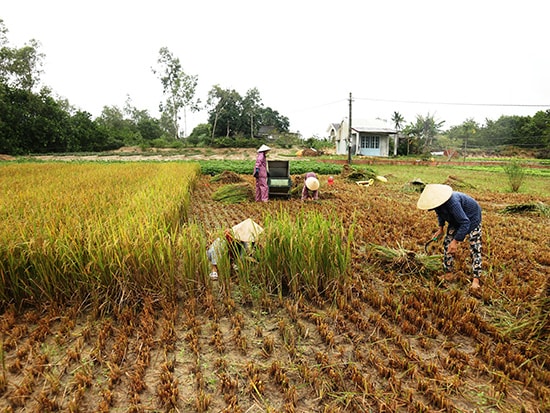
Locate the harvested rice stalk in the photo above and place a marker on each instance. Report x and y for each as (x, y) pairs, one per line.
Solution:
(227, 177)
(545, 313)
(357, 174)
(406, 261)
(233, 193)
(458, 183)
(537, 208)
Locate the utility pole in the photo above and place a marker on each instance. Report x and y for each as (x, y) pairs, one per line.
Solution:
(349, 131)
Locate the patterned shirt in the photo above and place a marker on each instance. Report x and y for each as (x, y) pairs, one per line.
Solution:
(462, 212)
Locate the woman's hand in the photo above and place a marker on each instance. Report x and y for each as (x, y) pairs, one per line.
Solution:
(438, 233)
(453, 245)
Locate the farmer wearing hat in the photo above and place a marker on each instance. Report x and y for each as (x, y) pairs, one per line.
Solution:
(238, 240)
(462, 213)
(311, 187)
(260, 173)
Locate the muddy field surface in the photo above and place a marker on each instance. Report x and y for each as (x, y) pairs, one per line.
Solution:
(391, 341)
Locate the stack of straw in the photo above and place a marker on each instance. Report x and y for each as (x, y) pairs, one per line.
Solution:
(233, 193)
(536, 208)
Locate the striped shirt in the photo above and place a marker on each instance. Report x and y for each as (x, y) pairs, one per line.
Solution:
(462, 212)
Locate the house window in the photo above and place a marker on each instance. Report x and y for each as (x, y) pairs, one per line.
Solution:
(370, 142)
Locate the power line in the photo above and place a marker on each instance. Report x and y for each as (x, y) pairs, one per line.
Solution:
(320, 106)
(455, 103)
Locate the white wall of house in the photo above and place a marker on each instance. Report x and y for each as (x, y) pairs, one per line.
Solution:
(369, 138)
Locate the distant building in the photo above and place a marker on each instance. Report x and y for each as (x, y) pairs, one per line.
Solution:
(268, 132)
(368, 137)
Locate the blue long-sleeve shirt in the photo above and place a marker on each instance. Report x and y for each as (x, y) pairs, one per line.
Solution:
(461, 212)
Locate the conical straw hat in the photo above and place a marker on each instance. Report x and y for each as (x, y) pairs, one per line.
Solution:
(247, 231)
(434, 195)
(264, 148)
(312, 183)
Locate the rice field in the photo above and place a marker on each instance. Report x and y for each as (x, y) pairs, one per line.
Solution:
(90, 231)
(107, 305)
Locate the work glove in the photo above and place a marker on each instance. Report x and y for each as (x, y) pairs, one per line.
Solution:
(256, 172)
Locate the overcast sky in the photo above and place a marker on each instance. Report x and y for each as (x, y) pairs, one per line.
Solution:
(454, 60)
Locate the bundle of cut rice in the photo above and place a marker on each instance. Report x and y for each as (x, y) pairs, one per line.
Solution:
(458, 183)
(233, 193)
(405, 261)
(537, 208)
(227, 177)
(358, 174)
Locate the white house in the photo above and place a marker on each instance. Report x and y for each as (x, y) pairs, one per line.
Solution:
(368, 137)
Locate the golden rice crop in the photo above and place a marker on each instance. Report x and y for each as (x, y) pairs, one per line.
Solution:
(90, 230)
(304, 254)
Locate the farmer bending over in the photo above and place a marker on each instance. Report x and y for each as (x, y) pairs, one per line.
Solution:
(311, 187)
(463, 214)
(238, 240)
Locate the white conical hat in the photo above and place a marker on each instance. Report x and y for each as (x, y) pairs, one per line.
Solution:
(247, 231)
(312, 183)
(264, 148)
(434, 195)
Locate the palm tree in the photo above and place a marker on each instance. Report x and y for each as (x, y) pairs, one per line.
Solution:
(398, 120)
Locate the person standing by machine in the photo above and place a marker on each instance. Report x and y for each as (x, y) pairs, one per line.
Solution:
(260, 173)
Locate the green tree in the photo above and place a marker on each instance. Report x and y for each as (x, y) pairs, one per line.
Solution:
(85, 135)
(31, 123)
(200, 134)
(270, 117)
(177, 87)
(424, 131)
(231, 115)
(535, 131)
(398, 121)
(148, 127)
(465, 133)
(19, 67)
(225, 111)
(251, 105)
(413, 135)
(117, 127)
(503, 131)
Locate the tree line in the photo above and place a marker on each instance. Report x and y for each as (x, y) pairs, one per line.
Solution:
(32, 120)
(426, 134)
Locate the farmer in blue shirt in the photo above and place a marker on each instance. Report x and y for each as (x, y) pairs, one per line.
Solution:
(462, 213)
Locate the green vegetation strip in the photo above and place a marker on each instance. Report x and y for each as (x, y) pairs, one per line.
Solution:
(215, 167)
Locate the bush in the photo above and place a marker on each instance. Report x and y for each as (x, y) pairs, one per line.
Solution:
(516, 174)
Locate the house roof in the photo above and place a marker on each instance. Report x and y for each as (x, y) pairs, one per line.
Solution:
(375, 126)
(373, 130)
(333, 126)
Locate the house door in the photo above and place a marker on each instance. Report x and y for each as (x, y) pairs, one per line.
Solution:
(370, 145)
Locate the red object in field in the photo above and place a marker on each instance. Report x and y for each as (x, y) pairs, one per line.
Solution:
(330, 180)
